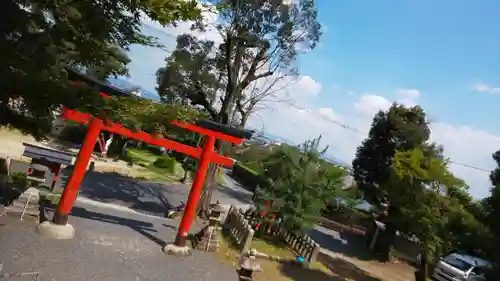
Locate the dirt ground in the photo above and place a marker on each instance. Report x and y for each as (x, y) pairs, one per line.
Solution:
(341, 267)
(391, 271)
(11, 145)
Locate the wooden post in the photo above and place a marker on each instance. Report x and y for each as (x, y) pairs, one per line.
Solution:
(315, 252)
(248, 239)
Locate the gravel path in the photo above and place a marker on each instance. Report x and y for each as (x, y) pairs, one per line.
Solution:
(109, 245)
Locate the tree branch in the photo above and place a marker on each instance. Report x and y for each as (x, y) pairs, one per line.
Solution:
(262, 75)
(200, 98)
(253, 67)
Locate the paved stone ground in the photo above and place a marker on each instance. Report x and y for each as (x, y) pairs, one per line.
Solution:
(153, 197)
(109, 245)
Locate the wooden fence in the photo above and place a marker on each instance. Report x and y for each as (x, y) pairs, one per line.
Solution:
(303, 245)
(239, 229)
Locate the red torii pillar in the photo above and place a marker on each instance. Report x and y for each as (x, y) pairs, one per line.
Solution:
(59, 227)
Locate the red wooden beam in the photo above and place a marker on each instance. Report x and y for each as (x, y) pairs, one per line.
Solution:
(85, 118)
(200, 130)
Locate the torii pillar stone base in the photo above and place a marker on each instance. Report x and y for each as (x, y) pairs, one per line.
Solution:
(56, 231)
(175, 250)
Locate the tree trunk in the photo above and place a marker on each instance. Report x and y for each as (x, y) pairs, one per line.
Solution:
(244, 120)
(388, 236)
(210, 185)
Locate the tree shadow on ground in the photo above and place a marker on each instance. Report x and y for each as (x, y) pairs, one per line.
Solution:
(341, 270)
(340, 242)
(144, 197)
(146, 229)
(345, 269)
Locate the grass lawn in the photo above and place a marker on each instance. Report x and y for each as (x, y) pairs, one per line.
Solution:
(220, 177)
(148, 171)
(272, 270)
(141, 156)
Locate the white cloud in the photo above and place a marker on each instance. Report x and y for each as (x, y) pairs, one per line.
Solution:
(369, 104)
(462, 144)
(408, 97)
(482, 87)
(145, 61)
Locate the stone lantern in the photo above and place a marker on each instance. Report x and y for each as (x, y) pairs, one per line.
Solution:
(215, 213)
(248, 265)
(208, 239)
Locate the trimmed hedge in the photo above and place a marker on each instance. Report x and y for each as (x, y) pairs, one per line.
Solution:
(246, 176)
(165, 162)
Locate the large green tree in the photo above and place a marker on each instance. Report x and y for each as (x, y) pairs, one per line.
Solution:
(260, 38)
(299, 184)
(113, 65)
(491, 207)
(423, 190)
(400, 129)
(41, 39)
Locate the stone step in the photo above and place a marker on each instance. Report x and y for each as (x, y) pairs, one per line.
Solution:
(19, 210)
(21, 204)
(25, 197)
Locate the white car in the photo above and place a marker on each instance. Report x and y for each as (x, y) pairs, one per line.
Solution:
(458, 267)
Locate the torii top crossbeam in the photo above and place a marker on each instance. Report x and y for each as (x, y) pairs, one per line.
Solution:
(206, 155)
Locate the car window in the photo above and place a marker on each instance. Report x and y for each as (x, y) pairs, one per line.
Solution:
(457, 263)
(478, 270)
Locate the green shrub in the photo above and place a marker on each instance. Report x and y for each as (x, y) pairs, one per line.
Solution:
(165, 162)
(20, 181)
(249, 178)
(73, 133)
(249, 169)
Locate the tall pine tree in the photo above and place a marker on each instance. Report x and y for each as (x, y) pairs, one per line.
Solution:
(398, 129)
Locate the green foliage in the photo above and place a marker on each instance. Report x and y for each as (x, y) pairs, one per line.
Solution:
(41, 39)
(260, 39)
(248, 169)
(491, 208)
(165, 162)
(113, 65)
(424, 192)
(20, 181)
(141, 114)
(249, 178)
(397, 165)
(397, 129)
(298, 185)
(73, 133)
(190, 72)
(201, 73)
(251, 155)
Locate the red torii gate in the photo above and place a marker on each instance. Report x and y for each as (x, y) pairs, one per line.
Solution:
(59, 227)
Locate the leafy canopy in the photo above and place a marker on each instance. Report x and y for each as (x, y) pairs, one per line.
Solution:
(299, 184)
(397, 129)
(41, 39)
(259, 39)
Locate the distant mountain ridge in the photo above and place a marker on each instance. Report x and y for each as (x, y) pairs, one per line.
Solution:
(124, 84)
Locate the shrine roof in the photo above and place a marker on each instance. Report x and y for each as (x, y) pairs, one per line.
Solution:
(103, 87)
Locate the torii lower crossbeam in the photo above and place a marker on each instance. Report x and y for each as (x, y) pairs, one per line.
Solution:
(59, 227)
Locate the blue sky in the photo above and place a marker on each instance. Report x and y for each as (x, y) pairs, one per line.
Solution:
(443, 55)
(438, 47)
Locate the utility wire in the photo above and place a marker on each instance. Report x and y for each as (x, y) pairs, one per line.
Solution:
(365, 134)
(323, 117)
(159, 30)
